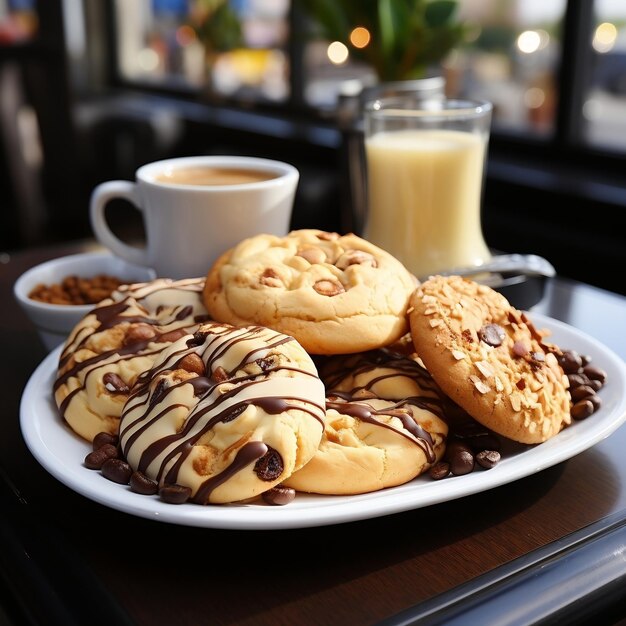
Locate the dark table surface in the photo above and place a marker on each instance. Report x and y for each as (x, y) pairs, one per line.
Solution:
(548, 548)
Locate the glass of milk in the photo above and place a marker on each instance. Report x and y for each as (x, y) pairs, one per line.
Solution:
(425, 163)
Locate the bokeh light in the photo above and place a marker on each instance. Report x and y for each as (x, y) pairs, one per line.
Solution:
(604, 37)
(529, 41)
(337, 53)
(360, 37)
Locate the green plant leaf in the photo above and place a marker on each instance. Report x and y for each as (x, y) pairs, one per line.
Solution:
(385, 21)
(329, 15)
(407, 35)
(217, 25)
(394, 29)
(439, 12)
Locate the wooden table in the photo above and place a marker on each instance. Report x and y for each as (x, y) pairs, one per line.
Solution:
(548, 548)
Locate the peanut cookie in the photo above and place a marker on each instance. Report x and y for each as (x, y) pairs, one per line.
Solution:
(115, 342)
(225, 414)
(334, 294)
(490, 359)
(384, 425)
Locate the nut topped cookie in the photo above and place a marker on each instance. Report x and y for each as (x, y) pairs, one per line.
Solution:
(225, 414)
(115, 342)
(334, 294)
(490, 359)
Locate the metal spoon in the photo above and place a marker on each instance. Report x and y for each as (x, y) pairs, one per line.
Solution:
(524, 264)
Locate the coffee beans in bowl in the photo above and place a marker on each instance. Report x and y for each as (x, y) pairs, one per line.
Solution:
(57, 294)
(78, 290)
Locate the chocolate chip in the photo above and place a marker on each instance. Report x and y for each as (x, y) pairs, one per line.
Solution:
(103, 437)
(117, 471)
(576, 380)
(439, 470)
(114, 384)
(265, 363)
(519, 349)
(97, 458)
(175, 494)
(158, 393)
(582, 409)
(596, 385)
(488, 458)
(456, 445)
(492, 334)
(197, 339)
(279, 495)
(580, 392)
(596, 400)
(270, 466)
(462, 463)
(460, 457)
(570, 361)
(594, 373)
(140, 483)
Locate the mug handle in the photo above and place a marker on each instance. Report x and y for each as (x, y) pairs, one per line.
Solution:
(100, 197)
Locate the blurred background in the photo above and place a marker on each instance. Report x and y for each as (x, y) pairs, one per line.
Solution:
(92, 89)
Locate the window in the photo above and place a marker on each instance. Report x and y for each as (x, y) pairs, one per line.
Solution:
(235, 48)
(247, 51)
(604, 102)
(18, 21)
(511, 59)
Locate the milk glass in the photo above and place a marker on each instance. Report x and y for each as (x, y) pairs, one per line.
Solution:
(425, 177)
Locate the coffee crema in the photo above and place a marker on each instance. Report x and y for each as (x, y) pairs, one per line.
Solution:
(212, 176)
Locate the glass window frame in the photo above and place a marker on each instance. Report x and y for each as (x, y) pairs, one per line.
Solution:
(563, 149)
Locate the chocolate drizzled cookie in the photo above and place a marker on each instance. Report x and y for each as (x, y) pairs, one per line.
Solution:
(115, 342)
(227, 414)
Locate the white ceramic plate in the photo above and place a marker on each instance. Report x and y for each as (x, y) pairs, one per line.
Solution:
(61, 453)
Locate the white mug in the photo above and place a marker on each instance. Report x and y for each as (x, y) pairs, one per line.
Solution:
(195, 208)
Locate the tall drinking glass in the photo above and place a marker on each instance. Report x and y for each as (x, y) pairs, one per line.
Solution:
(350, 118)
(425, 173)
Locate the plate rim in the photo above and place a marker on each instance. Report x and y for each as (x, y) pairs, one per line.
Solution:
(329, 510)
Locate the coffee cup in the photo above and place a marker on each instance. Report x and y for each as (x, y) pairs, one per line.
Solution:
(195, 208)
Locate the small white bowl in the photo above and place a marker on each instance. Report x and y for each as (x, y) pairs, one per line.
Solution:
(55, 321)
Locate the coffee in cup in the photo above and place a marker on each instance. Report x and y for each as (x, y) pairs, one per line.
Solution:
(195, 208)
(214, 176)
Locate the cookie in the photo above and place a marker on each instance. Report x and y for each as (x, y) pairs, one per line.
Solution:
(227, 414)
(384, 425)
(334, 294)
(115, 342)
(490, 359)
